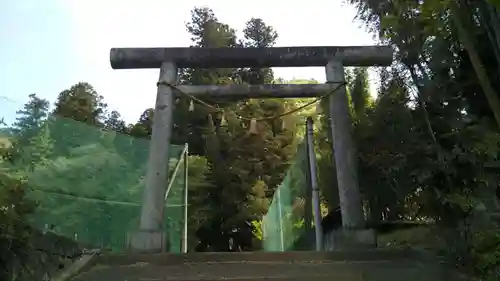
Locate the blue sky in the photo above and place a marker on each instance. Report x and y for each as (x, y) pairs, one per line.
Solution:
(47, 46)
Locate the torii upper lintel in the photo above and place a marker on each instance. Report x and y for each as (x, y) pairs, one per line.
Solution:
(135, 58)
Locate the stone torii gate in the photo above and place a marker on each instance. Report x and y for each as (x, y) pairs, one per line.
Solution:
(169, 60)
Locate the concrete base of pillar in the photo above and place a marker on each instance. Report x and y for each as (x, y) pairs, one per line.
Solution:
(147, 241)
(345, 239)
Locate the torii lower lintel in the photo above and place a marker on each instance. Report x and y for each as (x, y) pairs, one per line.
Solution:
(135, 58)
(246, 91)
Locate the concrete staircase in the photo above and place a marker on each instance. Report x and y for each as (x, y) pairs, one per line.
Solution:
(366, 265)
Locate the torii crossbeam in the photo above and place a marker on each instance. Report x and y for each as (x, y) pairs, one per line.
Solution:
(169, 60)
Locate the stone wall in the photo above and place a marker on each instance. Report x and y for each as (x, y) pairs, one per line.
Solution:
(49, 254)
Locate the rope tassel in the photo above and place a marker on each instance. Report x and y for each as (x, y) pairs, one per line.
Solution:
(253, 126)
(319, 109)
(223, 121)
(191, 106)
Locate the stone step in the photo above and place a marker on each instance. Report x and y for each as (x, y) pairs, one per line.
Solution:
(369, 265)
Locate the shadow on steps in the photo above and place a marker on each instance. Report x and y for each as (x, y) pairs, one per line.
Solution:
(376, 265)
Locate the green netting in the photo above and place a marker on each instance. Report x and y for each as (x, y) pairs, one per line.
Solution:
(90, 186)
(174, 219)
(284, 224)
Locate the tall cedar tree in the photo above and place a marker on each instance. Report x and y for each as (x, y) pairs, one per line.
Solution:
(78, 103)
(246, 167)
(32, 142)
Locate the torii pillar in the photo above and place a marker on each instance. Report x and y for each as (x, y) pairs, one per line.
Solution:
(169, 60)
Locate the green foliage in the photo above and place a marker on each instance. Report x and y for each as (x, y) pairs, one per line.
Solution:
(486, 250)
(360, 93)
(435, 115)
(257, 224)
(199, 195)
(428, 146)
(81, 103)
(244, 168)
(15, 233)
(496, 3)
(30, 118)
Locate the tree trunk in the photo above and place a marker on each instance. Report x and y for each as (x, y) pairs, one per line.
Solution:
(466, 39)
